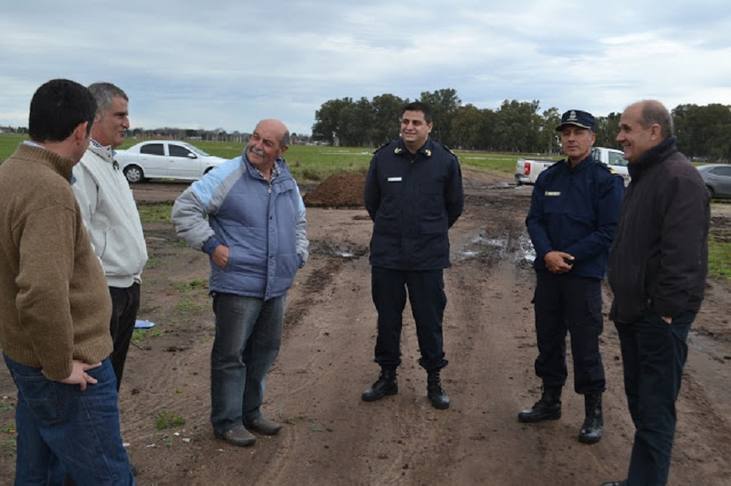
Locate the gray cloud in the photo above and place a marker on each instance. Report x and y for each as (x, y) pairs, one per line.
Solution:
(228, 64)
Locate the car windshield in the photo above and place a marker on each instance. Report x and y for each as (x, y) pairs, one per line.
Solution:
(197, 150)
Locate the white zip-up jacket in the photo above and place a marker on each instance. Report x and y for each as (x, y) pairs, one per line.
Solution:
(110, 216)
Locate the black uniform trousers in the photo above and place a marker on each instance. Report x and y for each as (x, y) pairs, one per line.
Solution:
(427, 299)
(567, 303)
(125, 303)
(653, 354)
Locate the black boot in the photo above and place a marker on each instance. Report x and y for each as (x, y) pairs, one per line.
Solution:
(385, 385)
(434, 391)
(547, 408)
(591, 431)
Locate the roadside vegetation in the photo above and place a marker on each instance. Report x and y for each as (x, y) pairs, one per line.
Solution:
(316, 162)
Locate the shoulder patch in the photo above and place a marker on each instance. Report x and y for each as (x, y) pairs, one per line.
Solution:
(449, 150)
(381, 148)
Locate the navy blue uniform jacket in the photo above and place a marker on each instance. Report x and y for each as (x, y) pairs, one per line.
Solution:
(413, 199)
(575, 211)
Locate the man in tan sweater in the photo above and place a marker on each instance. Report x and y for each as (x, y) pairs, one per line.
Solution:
(54, 304)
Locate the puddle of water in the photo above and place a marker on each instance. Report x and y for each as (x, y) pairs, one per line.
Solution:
(482, 246)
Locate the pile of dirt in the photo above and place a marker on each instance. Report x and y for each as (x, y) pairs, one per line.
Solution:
(343, 190)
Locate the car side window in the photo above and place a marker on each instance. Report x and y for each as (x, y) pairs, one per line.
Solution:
(178, 151)
(152, 149)
(616, 159)
(722, 171)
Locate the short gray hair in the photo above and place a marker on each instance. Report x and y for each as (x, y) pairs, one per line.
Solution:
(284, 142)
(104, 93)
(652, 111)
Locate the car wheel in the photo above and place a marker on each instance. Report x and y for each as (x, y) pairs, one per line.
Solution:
(133, 174)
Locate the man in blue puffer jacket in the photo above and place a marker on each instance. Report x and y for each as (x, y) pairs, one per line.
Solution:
(248, 215)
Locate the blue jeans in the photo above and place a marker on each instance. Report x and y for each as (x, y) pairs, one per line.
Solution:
(653, 353)
(248, 335)
(60, 428)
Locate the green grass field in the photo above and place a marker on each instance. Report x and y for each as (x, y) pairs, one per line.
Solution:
(309, 162)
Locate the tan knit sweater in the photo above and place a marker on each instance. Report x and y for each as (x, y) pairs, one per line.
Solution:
(54, 301)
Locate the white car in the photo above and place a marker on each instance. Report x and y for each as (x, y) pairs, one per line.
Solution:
(165, 159)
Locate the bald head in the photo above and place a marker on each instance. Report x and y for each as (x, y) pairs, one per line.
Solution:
(643, 125)
(652, 111)
(268, 142)
(277, 126)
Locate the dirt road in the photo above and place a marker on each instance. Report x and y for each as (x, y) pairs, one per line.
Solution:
(333, 438)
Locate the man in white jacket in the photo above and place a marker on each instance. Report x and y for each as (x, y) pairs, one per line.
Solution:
(110, 216)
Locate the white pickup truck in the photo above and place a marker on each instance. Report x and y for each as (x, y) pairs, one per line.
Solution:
(527, 170)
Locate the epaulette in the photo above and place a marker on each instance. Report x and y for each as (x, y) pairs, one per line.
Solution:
(450, 151)
(381, 148)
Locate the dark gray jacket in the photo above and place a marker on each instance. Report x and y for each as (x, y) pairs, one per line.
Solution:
(659, 258)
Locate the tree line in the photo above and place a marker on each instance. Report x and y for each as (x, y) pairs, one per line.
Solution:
(516, 126)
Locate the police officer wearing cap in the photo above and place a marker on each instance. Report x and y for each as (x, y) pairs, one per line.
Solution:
(572, 220)
(413, 194)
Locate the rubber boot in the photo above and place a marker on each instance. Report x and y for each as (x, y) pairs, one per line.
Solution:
(591, 431)
(547, 408)
(385, 385)
(437, 396)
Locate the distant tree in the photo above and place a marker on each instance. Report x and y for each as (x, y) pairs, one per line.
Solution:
(444, 104)
(466, 130)
(607, 128)
(328, 120)
(704, 131)
(386, 112)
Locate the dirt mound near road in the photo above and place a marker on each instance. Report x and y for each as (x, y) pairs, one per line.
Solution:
(343, 190)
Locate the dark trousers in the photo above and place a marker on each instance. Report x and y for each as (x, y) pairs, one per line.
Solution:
(653, 353)
(567, 303)
(427, 298)
(125, 304)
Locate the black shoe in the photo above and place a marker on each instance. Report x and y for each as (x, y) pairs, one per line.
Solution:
(437, 396)
(547, 408)
(237, 435)
(591, 431)
(385, 385)
(263, 426)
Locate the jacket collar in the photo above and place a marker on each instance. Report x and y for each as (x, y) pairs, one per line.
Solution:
(37, 152)
(105, 152)
(426, 150)
(652, 157)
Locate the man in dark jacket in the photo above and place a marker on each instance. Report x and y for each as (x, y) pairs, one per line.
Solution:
(657, 271)
(413, 194)
(572, 219)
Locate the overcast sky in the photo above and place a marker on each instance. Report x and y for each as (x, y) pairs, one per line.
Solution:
(230, 63)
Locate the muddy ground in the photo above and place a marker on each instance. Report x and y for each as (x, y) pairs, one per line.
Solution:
(331, 437)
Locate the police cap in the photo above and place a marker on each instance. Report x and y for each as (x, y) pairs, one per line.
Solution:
(577, 118)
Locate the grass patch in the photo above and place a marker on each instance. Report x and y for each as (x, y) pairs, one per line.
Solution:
(155, 213)
(719, 258)
(186, 305)
(9, 143)
(195, 284)
(307, 162)
(139, 335)
(168, 420)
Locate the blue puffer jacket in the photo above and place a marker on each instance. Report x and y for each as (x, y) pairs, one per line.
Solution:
(262, 224)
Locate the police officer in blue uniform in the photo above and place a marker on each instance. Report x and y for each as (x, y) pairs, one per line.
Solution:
(413, 194)
(572, 220)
